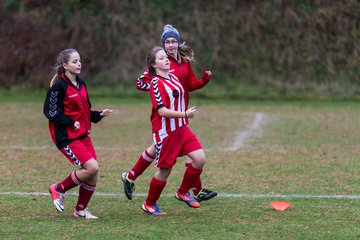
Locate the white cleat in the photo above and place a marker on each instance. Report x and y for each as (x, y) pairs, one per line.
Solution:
(57, 197)
(83, 214)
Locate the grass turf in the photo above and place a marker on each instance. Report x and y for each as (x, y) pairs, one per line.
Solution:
(309, 149)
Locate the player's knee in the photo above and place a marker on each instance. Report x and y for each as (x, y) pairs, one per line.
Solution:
(92, 168)
(151, 150)
(200, 162)
(95, 170)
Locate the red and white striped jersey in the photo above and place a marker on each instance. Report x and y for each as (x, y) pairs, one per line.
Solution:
(167, 93)
(184, 74)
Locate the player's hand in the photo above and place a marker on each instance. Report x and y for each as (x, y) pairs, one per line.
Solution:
(77, 125)
(208, 72)
(190, 113)
(106, 112)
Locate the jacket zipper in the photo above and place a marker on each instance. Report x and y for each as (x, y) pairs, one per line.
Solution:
(84, 106)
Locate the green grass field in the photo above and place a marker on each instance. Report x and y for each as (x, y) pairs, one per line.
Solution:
(308, 152)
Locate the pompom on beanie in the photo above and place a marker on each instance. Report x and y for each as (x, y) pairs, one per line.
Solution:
(169, 31)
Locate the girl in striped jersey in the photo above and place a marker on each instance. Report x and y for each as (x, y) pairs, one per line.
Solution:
(171, 135)
(180, 57)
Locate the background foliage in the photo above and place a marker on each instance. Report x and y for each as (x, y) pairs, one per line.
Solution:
(282, 47)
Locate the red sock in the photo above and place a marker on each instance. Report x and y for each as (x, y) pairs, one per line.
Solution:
(68, 183)
(141, 165)
(155, 190)
(190, 176)
(85, 193)
(197, 186)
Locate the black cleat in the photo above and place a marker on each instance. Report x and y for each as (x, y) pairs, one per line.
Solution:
(205, 195)
(129, 186)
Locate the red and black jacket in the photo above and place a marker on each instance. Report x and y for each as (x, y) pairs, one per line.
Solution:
(65, 104)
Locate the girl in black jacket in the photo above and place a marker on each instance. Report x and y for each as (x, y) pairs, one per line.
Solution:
(68, 108)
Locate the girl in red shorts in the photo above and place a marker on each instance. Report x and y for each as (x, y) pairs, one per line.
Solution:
(68, 108)
(180, 57)
(171, 136)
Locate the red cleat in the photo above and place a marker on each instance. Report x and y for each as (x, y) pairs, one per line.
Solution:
(187, 199)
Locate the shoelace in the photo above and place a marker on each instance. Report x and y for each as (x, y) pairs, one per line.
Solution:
(61, 198)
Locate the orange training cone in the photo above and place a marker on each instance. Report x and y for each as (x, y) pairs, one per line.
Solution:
(280, 206)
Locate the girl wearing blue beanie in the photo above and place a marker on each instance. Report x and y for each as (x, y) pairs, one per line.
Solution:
(180, 57)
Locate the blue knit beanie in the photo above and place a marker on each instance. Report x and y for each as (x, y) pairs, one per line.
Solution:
(170, 31)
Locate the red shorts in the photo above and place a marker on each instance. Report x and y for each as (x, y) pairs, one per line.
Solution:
(79, 151)
(179, 143)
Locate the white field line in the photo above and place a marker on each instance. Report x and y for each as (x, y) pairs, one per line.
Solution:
(250, 131)
(245, 195)
(242, 136)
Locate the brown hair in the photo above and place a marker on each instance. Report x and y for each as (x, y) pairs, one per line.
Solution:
(186, 54)
(63, 57)
(150, 59)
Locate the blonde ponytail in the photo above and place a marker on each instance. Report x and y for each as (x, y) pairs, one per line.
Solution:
(53, 80)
